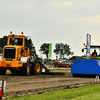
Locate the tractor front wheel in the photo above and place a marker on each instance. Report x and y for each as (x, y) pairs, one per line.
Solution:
(26, 68)
(2, 71)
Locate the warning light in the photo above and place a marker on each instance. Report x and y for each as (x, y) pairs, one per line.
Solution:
(83, 43)
(10, 32)
(3, 63)
(21, 32)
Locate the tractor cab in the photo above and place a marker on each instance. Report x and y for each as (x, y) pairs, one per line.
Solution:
(17, 41)
(94, 52)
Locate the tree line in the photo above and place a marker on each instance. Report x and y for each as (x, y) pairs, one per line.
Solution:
(60, 50)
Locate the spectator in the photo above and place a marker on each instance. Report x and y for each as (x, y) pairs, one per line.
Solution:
(94, 54)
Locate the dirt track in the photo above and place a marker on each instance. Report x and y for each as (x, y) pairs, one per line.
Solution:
(19, 85)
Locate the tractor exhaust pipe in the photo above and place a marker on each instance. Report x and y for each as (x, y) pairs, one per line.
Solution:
(13, 40)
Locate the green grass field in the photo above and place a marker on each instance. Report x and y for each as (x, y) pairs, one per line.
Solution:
(91, 92)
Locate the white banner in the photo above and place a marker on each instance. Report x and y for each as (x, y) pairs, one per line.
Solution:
(88, 45)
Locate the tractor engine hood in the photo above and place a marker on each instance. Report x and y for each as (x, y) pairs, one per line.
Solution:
(12, 52)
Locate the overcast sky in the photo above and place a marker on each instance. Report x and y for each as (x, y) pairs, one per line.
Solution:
(52, 21)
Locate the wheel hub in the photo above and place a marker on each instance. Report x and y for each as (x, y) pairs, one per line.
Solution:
(37, 67)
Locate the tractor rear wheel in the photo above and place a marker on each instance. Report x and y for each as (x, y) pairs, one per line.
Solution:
(2, 71)
(37, 68)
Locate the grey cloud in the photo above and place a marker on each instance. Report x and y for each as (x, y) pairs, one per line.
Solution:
(53, 21)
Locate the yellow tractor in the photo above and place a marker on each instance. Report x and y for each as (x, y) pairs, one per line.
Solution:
(18, 58)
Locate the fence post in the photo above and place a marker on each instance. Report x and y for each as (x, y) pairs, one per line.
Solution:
(97, 79)
(1, 89)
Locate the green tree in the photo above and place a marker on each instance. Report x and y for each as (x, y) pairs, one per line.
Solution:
(57, 46)
(45, 48)
(62, 50)
(30, 44)
(3, 42)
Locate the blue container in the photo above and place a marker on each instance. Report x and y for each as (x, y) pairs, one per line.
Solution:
(86, 66)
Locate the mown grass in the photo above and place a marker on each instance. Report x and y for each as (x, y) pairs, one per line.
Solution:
(58, 69)
(91, 92)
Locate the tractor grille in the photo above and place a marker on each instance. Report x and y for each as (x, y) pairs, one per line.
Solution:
(9, 53)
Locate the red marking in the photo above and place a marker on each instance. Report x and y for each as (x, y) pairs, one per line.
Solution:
(44, 66)
(0, 92)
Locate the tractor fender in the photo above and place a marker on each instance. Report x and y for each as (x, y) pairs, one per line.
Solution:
(1, 58)
(24, 59)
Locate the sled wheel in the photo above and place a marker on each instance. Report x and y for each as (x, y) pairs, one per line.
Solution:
(74, 75)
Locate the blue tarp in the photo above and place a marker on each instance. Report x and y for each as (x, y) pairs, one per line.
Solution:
(86, 66)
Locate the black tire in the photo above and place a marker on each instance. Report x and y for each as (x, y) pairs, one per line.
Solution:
(74, 75)
(2, 71)
(25, 70)
(37, 67)
(14, 72)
